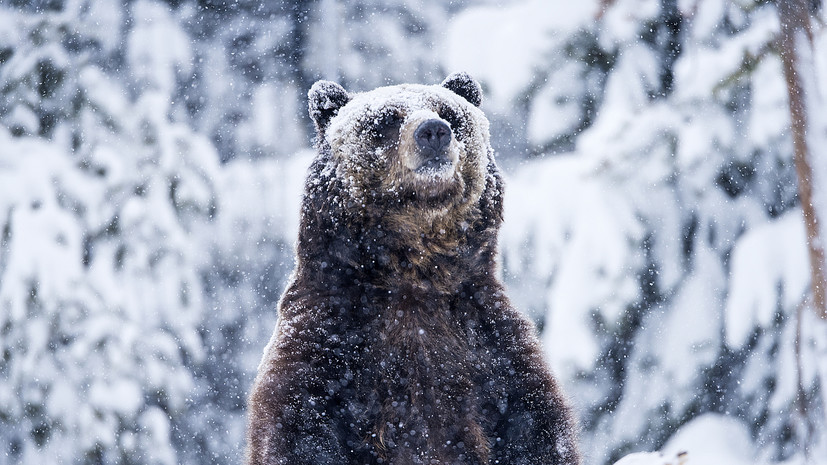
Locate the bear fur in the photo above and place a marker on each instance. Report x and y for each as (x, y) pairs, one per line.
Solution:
(396, 343)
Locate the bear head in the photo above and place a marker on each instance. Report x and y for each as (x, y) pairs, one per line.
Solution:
(411, 161)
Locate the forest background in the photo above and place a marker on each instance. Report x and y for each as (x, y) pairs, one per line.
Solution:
(152, 156)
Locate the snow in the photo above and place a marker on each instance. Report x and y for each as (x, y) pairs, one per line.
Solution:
(150, 190)
(707, 439)
(578, 243)
(649, 458)
(705, 69)
(23, 117)
(685, 337)
(722, 269)
(704, 16)
(727, 437)
(621, 23)
(158, 48)
(122, 396)
(771, 119)
(45, 239)
(614, 125)
(770, 266)
(501, 47)
(102, 93)
(273, 126)
(267, 195)
(554, 111)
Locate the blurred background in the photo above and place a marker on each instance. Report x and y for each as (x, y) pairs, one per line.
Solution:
(152, 156)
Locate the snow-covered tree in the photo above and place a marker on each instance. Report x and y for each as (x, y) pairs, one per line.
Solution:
(662, 247)
(809, 133)
(138, 276)
(151, 158)
(100, 191)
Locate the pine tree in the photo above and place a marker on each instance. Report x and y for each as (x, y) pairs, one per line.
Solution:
(100, 293)
(657, 247)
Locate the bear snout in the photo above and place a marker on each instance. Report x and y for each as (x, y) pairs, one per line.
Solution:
(433, 135)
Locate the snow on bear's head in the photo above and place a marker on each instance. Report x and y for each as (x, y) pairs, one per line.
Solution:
(411, 145)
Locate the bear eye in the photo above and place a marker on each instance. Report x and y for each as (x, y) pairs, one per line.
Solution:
(387, 124)
(452, 118)
(390, 120)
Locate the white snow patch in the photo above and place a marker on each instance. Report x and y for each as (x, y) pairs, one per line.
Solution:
(156, 445)
(649, 458)
(625, 98)
(556, 110)
(621, 21)
(769, 119)
(272, 127)
(579, 230)
(123, 396)
(503, 47)
(158, 49)
(702, 16)
(690, 337)
(706, 440)
(266, 198)
(700, 70)
(767, 260)
(713, 439)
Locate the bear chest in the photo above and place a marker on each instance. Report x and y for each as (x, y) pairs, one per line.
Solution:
(416, 384)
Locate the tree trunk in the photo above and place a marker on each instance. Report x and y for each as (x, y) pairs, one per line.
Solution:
(796, 47)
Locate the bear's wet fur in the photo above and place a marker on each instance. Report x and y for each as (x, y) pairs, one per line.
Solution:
(396, 343)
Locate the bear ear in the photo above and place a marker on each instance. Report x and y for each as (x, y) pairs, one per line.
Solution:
(465, 86)
(324, 99)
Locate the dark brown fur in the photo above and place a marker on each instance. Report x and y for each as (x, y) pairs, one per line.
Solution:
(396, 342)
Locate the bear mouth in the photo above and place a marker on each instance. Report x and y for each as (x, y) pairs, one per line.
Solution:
(437, 181)
(437, 166)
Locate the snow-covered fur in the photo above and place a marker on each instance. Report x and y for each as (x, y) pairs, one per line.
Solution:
(395, 341)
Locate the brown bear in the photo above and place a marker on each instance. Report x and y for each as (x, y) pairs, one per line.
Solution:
(396, 343)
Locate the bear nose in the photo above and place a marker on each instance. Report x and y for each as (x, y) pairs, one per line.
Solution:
(433, 134)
